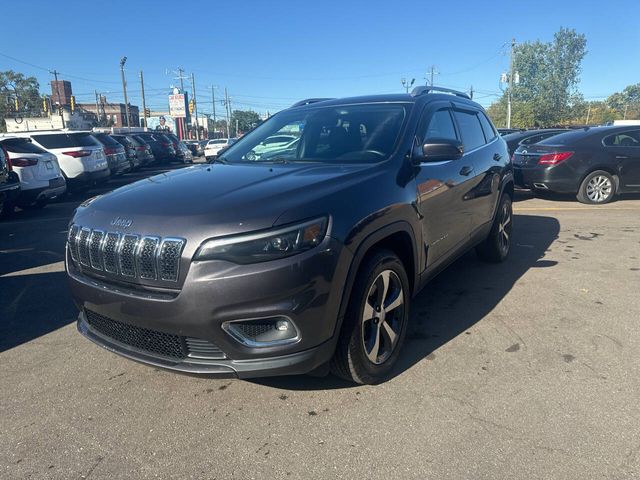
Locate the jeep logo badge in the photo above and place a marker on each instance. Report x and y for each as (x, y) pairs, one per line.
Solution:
(121, 222)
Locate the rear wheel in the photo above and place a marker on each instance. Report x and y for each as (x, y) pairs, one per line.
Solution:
(497, 245)
(597, 188)
(376, 321)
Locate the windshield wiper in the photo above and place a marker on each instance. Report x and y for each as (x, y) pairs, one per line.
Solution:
(221, 160)
(279, 159)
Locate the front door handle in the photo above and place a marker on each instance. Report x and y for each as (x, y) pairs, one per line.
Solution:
(497, 157)
(466, 170)
(621, 157)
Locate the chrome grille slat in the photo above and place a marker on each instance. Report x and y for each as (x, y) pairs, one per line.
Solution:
(169, 258)
(147, 257)
(110, 252)
(95, 249)
(73, 242)
(83, 247)
(127, 255)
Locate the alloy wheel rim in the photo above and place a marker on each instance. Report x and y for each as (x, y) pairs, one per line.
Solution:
(383, 317)
(504, 228)
(599, 188)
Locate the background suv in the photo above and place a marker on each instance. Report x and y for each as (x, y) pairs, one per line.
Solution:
(80, 155)
(40, 177)
(251, 267)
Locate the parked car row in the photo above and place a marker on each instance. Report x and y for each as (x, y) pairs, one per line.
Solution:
(593, 163)
(37, 167)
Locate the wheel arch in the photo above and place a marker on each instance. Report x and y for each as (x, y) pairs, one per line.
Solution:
(398, 237)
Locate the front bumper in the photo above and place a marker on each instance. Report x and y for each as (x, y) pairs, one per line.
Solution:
(306, 288)
(292, 364)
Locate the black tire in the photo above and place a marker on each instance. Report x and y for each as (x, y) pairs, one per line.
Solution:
(350, 360)
(495, 248)
(597, 188)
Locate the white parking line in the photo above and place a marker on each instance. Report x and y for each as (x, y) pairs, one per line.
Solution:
(49, 268)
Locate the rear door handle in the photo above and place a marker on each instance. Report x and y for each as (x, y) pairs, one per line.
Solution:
(497, 157)
(621, 157)
(466, 170)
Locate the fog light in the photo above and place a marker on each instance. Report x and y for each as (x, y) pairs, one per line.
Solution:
(263, 332)
(282, 325)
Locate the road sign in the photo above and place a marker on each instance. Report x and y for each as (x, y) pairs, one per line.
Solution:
(177, 106)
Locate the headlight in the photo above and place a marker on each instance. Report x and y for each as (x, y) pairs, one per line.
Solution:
(264, 246)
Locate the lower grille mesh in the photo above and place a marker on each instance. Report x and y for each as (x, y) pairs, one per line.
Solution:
(151, 341)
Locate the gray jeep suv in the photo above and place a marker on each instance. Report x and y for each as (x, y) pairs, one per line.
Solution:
(252, 267)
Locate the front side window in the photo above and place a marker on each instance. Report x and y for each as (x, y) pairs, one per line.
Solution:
(626, 139)
(364, 133)
(470, 129)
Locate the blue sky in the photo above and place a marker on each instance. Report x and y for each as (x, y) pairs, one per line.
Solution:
(272, 53)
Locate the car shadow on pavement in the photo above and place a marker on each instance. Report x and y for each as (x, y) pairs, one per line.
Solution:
(456, 300)
(521, 195)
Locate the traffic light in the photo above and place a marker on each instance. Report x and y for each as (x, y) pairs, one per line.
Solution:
(191, 106)
(45, 107)
(147, 112)
(16, 104)
(72, 102)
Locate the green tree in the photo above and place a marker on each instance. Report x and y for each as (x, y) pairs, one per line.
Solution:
(15, 86)
(247, 119)
(628, 100)
(547, 92)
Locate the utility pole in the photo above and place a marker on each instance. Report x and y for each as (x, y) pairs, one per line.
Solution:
(180, 76)
(513, 45)
(226, 103)
(471, 92)
(144, 105)
(588, 113)
(195, 105)
(124, 90)
(97, 107)
(625, 112)
(432, 73)
(213, 104)
(55, 74)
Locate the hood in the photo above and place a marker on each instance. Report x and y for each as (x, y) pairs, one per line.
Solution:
(212, 200)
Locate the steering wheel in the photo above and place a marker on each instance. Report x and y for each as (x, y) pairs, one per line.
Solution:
(251, 155)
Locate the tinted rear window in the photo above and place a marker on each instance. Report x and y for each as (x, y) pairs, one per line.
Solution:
(66, 140)
(472, 134)
(106, 140)
(22, 145)
(567, 138)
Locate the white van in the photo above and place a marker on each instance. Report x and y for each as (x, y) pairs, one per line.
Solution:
(80, 155)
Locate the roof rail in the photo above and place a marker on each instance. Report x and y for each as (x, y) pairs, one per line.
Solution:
(421, 90)
(309, 101)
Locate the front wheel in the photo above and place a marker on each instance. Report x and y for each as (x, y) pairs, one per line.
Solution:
(598, 187)
(376, 321)
(496, 246)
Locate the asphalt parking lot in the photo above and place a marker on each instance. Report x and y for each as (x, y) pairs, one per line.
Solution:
(527, 369)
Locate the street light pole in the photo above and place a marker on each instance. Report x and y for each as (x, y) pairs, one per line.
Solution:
(123, 60)
(144, 105)
(213, 100)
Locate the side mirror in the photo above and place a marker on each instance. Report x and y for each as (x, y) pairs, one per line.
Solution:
(439, 150)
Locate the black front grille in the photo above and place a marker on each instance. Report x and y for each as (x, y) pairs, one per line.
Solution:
(151, 341)
(160, 343)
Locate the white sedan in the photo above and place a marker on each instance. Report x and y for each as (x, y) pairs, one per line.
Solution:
(214, 146)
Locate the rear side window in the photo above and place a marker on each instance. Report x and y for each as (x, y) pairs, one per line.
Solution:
(470, 129)
(441, 126)
(487, 127)
(21, 145)
(106, 140)
(626, 139)
(66, 140)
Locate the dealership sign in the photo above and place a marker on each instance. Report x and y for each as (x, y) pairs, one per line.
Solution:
(178, 105)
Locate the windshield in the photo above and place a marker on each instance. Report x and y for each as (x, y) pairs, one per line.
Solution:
(21, 145)
(66, 140)
(336, 134)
